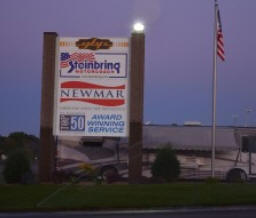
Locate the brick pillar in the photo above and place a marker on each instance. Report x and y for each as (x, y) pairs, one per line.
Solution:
(47, 142)
(137, 55)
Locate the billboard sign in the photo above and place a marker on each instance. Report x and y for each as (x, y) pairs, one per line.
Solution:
(91, 87)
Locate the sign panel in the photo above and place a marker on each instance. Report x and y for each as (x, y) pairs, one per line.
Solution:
(92, 86)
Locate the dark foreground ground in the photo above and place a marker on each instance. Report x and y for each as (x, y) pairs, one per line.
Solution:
(183, 213)
(121, 197)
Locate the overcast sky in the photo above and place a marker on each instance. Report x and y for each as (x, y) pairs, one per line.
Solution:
(179, 55)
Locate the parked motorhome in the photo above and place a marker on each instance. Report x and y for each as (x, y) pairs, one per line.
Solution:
(100, 153)
(191, 143)
(193, 146)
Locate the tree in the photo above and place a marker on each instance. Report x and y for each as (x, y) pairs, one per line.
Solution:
(16, 167)
(20, 140)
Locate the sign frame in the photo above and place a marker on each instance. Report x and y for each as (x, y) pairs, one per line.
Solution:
(106, 86)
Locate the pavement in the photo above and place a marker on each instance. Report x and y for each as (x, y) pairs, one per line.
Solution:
(208, 212)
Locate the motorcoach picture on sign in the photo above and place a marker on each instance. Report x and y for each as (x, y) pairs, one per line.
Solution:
(91, 87)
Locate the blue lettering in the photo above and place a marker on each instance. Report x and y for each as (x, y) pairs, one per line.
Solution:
(80, 65)
(117, 67)
(74, 65)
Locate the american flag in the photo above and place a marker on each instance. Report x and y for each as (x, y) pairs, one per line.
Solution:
(219, 35)
(65, 58)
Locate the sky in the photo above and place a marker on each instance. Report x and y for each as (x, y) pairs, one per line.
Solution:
(178, 56)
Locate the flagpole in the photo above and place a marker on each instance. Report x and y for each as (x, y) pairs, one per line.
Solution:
(214, 87)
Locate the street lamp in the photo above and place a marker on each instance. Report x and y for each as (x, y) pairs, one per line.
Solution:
(138, 27)
(247, 113)
(235, 119)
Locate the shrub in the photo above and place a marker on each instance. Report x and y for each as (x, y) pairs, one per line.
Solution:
(166, 165)
(88, 172)
(17, 166)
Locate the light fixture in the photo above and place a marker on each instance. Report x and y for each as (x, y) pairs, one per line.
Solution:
(138, 27)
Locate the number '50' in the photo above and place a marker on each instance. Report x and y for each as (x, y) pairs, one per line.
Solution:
(77, 123)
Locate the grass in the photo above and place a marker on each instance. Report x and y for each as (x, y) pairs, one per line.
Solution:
(81, 197)
(1, 179)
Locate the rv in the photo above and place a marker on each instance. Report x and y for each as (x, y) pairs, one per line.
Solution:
(235, 157)
(234, 154)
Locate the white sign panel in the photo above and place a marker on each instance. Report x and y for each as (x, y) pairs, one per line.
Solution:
(92, 87)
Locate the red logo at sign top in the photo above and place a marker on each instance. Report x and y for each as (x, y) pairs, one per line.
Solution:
(92, 93)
